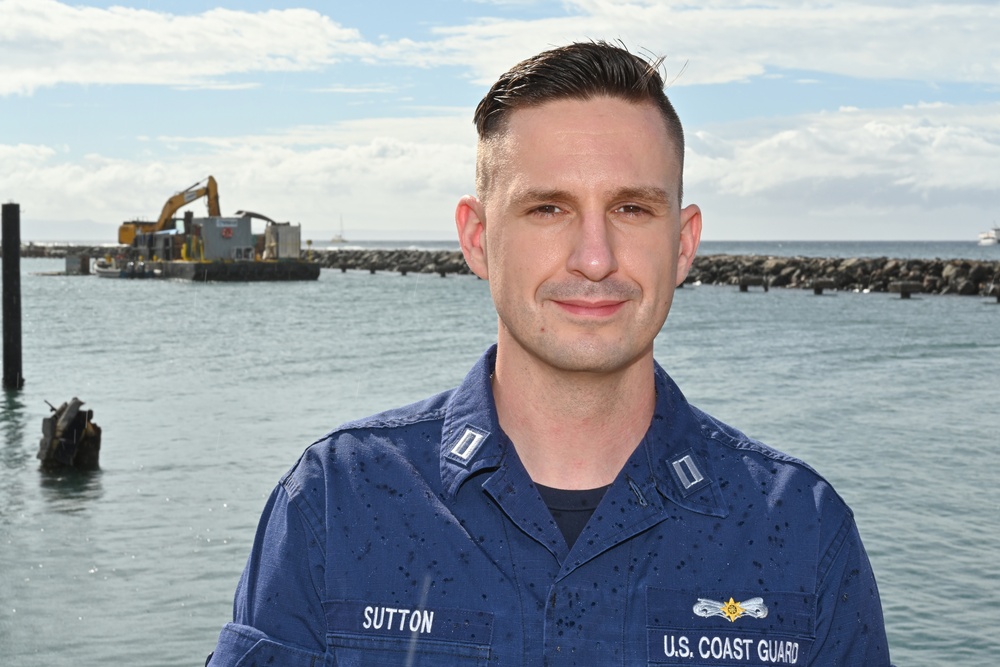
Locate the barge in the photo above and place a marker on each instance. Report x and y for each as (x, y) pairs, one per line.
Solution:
(212, 248)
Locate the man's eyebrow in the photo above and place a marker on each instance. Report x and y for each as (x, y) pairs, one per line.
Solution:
(536, 195)
(646, 193)
(642, 193)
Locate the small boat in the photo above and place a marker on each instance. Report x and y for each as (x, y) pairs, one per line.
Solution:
(104, 268)
(991, 237)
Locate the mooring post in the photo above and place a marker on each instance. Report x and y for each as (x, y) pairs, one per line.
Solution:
(906, 287)
(11, 239)
(746, 281)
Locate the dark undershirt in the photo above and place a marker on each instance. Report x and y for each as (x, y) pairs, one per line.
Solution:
(571, 509)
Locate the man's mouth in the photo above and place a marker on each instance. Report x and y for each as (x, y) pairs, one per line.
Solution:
(583, 308)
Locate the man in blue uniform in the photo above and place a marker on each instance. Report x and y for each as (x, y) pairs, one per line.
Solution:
(564, 505)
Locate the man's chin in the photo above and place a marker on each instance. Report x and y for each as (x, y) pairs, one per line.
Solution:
(589, 357)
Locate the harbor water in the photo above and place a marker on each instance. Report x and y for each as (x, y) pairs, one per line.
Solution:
(207, 393)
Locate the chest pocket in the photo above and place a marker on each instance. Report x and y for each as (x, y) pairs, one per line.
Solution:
(723, 628)
(360, 634)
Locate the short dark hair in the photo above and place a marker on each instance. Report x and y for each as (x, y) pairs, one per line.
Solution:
(581, 71)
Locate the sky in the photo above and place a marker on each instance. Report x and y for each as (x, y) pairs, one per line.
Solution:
(805, 120)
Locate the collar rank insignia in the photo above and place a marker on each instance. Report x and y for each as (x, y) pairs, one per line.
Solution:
(467, 446)
(732, 610)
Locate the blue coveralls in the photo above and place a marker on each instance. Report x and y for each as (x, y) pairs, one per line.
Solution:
(416, 537)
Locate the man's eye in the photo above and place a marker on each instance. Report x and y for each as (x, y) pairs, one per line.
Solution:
(547, 209)
(630, 209)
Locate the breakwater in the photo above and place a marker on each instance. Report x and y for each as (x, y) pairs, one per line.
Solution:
(60, 250)
(442, 262)
(935, 276)
(876, 274)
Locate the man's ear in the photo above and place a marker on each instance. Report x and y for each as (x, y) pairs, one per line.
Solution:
(689, 240)
(470, 219)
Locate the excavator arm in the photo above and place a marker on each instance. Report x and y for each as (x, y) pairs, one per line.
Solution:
(185, 197)
(207, 188)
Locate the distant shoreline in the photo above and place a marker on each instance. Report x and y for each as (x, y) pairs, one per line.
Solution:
(875, 274)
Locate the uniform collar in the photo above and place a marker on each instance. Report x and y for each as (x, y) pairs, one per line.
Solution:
(470, 436)
(676, 448)
(671, 462)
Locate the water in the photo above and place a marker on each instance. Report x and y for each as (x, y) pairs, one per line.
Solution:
(208, 393)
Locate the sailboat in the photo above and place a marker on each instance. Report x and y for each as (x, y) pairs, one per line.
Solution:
(339, 236)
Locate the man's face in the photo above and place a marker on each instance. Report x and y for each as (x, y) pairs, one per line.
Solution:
(583, 238)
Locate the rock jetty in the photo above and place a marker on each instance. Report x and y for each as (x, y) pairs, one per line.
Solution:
(965, 277)
(441, 262)
(61, 250)
(876, 274)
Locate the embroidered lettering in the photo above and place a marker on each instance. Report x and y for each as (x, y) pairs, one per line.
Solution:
(676, 647)
(725, 648)
(401, 620)
(778, 651)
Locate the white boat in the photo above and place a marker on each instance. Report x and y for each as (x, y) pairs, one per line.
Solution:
(991, 237)
(339, 237)
(104, 268)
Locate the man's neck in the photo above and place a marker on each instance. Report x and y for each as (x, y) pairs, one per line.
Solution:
(573, 430)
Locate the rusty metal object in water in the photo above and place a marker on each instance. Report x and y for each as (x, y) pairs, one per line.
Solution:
(70, 439)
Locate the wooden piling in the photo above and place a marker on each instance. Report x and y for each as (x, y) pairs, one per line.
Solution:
(906, 288)
(821, 284)
(747, 281)
(11, 239)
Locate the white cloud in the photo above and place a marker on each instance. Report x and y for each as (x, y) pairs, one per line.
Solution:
(406, 174)
(390, 174)
(890, 156)
(908, 163)
(888, 173)
(45, 42)
(23, 155)
(725, 41)
(440, 124)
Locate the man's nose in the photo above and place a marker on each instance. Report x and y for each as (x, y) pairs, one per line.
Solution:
(593, 252)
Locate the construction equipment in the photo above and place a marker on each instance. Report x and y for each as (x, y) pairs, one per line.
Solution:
(209, 248)
(129, 229)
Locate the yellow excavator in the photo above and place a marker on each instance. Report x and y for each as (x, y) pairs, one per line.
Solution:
(128, 230)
